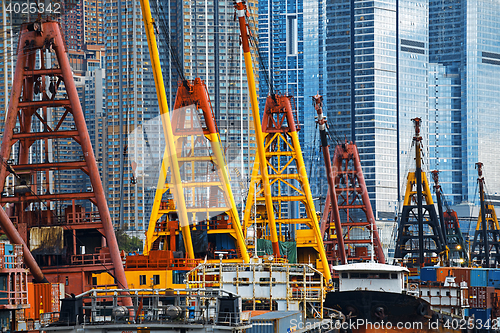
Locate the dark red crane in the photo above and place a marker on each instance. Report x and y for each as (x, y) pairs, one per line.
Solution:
(347, 206)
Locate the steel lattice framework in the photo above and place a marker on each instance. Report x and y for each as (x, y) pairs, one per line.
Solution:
(39, 117)
(204, 183)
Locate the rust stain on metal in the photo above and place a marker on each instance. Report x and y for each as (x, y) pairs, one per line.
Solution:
(46, 240)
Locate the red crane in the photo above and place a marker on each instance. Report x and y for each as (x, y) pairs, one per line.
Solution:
(41, 115)
(347, 204)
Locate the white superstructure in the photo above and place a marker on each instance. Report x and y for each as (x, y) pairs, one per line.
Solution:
(371, 276)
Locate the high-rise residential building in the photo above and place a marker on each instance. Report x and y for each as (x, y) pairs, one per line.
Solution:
(7, 61)
(376, 83)
(83, 24)
(465, 50)
(93, 22)
(201, 39)
(126, 59)
(73, 26)
(94, 111)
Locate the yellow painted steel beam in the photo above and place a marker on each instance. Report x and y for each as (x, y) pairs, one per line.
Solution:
(410, 192)
(493, 221)
(260, 136)
(251, 194)
(228, 192)
(167, 130)
(310, 205)
(155, 213)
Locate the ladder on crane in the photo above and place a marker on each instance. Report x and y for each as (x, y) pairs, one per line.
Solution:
(279, 174)
(192, 144)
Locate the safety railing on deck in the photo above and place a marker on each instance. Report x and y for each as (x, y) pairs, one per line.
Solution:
(287, 285)
(90, 259)
(170, 263)
(169, 308)
(83, 217)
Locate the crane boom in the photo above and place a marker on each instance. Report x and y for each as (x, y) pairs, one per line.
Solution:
(279, 159)
(241, 11)
(170, 150)
(318, 100)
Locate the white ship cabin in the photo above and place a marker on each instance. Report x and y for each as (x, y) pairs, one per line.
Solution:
(371, 276)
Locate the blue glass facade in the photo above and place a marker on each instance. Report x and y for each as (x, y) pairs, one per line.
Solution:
(291, 42)
(445, 152)
(371, 75)
(464, 39)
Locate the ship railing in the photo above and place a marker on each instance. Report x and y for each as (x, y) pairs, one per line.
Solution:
(173, 263)
(308, 294)
(48, 318)
(283, 283)
(83, 217)
(91, 259)
(149, 306)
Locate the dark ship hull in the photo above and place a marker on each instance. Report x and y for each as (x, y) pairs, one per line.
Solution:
(378, 311)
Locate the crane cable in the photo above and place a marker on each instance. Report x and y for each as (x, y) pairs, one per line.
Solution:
(164, 31)
(255, 43)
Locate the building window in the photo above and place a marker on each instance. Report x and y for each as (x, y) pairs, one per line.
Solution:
(156, 279)
(291, 35)
(142, 280)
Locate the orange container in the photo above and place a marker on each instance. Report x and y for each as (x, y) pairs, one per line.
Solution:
(442, 273)
(461, 274)
(40, 300)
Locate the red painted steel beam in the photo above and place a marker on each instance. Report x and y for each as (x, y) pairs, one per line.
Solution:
(46, 135)
(45, 197)
(14, 237)
(48, 103)
(51, 166)
(366, 200)
(88, 154)
(44, 72)
(330, 175)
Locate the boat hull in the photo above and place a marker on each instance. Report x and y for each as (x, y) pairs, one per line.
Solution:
(377, 311)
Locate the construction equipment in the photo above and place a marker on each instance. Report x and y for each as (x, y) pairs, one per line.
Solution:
(485, 250)
(451, 227)
(420, 238)
(211, 212)
(66, 240)
(347, 203)
(282, 182)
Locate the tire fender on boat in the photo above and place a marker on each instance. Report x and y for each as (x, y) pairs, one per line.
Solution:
(422, 309)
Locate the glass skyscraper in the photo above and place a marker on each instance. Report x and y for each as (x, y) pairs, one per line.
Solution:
(465, 53)
(127, 61)
(291, 42)
(376, 82)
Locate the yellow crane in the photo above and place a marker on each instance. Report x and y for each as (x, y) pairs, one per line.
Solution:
(175, 157)
(279, 173)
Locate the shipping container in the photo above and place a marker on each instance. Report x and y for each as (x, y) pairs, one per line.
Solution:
(461, 274)
(276, 322)
(481, 297)
(479, 277)
(428, 274)
(442, 273)
(40, 299)
(494, 278)
(481, 314)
